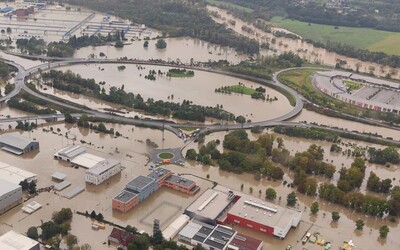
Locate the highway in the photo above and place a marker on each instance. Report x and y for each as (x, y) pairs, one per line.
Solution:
(23, 74)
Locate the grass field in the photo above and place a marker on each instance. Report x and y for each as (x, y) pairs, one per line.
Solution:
(166, 156)
(240, 89)
(374, 40)
(352, 85)
(229, 5)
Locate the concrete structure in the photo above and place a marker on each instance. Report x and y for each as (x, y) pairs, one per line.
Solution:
(16, 241)
(142, 187)
(58, 176)
(10, 196)
(102, 171)
(120, 237)
(17, 144)
(69, 153)
(208, 236)
(31, 207)
(375, 94)
(73, 192)
(62, 185)
(15, 175)
(172, 230)
(210, 206)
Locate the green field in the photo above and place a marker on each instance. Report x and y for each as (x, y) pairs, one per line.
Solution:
(229, 5)
(166, 156)
(240, 89)
(363, 38)
(352, 85)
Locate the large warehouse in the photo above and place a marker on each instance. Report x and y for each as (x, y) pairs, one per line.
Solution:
(142, 187)
(17, 144)
(16, 241)
(15, 175)
(221, 205)
(10, 196)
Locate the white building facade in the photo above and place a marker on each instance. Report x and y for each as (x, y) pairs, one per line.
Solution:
(102, 171)
(10, 195)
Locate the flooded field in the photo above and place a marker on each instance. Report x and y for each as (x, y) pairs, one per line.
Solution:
(132, 153)
(304, 50)
(195, 89)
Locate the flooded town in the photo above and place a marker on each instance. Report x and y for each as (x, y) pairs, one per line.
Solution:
(122, 129)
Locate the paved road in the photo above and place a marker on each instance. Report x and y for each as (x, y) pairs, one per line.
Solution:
(20, 76)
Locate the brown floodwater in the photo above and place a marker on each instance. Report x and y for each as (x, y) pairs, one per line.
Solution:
(199, 89)
(132, 153)
(304, 50)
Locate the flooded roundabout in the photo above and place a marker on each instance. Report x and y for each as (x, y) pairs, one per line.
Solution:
(132, 150)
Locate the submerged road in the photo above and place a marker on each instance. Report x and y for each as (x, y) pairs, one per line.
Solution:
(23, 74)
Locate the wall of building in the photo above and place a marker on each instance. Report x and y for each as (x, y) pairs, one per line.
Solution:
(10, 200)
(98, 179)
(233, 219)
(124, 207)
(32, 146)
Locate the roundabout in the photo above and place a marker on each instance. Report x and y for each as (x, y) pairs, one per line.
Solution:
(167, 156)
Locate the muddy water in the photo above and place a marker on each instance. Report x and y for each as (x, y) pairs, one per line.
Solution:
(182, 48)
(200, 89)
(131, 153)
(303, 49)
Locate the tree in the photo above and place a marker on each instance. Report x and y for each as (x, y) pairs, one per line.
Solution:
(146, 44)
(240, 119)
(383, 231)
(86, 246)
(65, 214)
(250, 190)
(32, 233)
(291, 199)
(119, 44)
(161, 44)
(24, 184)
(93, 214)
(191, 154)
(270, 194)
(359, 224)
(99, 217)
(101, 127)
(335, 216)
(314, 208)
(157, 237)
(68, 118)
(71, 240)
(32, 187)
(8, 30)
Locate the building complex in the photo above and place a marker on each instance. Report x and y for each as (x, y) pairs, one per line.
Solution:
(15, 175)
(10, 195)
(142, 187)
(98, 168)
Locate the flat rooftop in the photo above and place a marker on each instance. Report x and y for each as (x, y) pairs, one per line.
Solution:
(15, 141)
(15, 241)
(159, 173)
(180, 181)
(125, 196)
(262, 212)
(87, 160)
(58, 176)
(13, 174)
(139, 183)
(6, 187)
(102, 167)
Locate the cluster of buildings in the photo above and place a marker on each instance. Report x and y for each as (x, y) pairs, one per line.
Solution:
(98, 169)
(141, 187)
(375, 94)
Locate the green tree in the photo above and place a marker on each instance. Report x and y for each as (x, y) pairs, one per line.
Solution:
(32, 187)
(68, 118)
(291, 199)
(71, 240)
(146, 44)
(99, 217)
(119, 44)
(383, 231)
(270, 194)
(314, 208)
(359, 224)
(93, 214)
(32, 233)
(161, 44)
(102, 128)
(240, 119)
(335, 216)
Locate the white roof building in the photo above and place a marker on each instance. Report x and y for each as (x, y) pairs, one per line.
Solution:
(15, 175)
(87, 160)
(102, 171)
(16, 241)
(172, 230)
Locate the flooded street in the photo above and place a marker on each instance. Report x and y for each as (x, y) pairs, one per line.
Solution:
(131, 152)
(303, 49)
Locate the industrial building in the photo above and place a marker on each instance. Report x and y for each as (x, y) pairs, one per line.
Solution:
(16, 241)
(98, 168)
(102, 171)
(17, 144)
(216, 237)
(173, 229)
(221, 205)
(210, 206)
(15, 175)
(121, 238)
(142, 187)
(10, 196)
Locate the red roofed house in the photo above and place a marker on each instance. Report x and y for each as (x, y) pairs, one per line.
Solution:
(121, 237)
